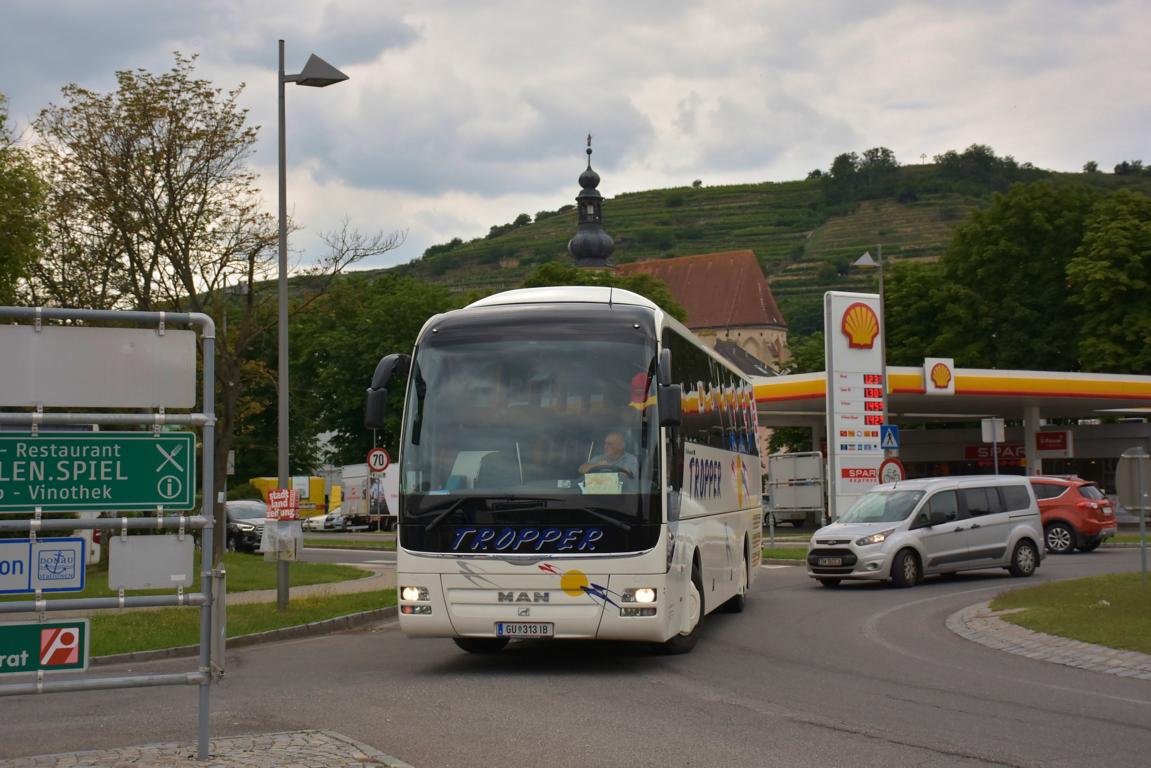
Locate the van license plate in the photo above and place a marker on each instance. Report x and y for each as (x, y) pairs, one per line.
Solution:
(523, 629)
(831, 561)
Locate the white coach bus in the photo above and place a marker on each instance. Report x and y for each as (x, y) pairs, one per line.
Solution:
(574, 463)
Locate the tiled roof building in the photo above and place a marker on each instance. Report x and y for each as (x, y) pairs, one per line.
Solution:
(727, 299)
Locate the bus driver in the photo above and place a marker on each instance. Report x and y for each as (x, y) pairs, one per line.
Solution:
(613, 457)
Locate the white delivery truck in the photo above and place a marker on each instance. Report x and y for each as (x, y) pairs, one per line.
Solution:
(794, 488)
(370, 499)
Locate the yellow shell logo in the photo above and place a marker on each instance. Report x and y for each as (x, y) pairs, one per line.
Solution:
(860, 326)
(940, 376)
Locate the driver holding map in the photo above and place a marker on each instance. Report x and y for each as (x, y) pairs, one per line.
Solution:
(613, 458)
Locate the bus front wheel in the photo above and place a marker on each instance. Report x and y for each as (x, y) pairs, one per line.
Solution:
(685, 641)
(481, 644)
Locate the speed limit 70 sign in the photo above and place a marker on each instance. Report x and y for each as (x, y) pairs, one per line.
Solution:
(378, 460)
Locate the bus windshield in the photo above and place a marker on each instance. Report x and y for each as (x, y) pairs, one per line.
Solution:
(521, 443)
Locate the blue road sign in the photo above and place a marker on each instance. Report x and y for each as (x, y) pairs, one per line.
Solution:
(889, 437)
(50, 565)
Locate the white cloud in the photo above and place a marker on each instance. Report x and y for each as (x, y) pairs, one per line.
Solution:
(459, 115)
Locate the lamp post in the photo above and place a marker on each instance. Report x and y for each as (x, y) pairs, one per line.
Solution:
(317, 73)
(866, 260)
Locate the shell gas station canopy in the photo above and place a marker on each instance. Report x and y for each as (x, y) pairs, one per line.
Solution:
(800, 399)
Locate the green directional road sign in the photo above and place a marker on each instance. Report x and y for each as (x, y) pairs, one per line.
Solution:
(54, 646)
(97, 470)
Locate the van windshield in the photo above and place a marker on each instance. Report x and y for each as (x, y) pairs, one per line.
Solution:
(882, 507)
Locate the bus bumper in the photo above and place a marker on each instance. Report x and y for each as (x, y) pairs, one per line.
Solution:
(576, 607)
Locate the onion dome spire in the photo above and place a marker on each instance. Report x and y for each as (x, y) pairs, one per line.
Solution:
(591, 245)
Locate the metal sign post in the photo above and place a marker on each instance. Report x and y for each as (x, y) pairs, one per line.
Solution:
(1132, 478)
(102, 365)
(993, 433)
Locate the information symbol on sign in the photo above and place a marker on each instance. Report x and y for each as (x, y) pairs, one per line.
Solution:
(889, 437)
(378, 460)
(169, 486)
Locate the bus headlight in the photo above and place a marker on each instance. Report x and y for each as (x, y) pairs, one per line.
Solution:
(638, 595)
(414, 594)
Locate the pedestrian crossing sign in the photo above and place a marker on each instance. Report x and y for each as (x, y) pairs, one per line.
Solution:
(889, 437)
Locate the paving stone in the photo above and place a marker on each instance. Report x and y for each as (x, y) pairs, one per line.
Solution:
(296, 749)
(981, 625)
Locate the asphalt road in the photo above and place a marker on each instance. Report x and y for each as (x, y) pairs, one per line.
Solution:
(326, 555)
(865, 675)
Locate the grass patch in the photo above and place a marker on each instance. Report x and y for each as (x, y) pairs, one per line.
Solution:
(321, 542)
(1126, 538)
(785, 553)
(1112, 610)
(170, 627)
(246, 572)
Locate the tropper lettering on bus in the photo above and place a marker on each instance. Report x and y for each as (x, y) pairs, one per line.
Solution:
(490, 539)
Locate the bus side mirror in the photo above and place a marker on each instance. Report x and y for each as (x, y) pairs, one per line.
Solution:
(375, 407)
(669, 402)
(663, 375)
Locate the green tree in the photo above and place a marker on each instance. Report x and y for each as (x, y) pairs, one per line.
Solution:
(1110, 284)
(562, 273)
(1004, 294)
(878, 172)
(21, 195)
(1091, 167)
(152, 206)
(912, 302)
(361, 319)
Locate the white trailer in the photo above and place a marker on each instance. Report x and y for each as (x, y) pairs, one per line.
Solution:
(795, 487)
(370, 499)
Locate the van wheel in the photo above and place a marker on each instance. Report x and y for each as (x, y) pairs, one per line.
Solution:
(736, 603)
(481, 644)
(905, 571)
(829, 582)
(684, 642)
(1060, 539)
(1024, 560)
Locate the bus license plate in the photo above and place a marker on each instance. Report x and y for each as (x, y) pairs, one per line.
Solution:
(831, 561)
(524, 629)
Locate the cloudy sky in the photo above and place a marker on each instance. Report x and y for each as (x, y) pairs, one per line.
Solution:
(460, 114)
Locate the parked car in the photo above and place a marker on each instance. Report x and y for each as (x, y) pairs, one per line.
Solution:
(914, 528)
(314, 523)
(1076, 514)
(334, 520)
(246, 521)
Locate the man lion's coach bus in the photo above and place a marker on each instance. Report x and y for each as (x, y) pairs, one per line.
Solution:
(574, 463)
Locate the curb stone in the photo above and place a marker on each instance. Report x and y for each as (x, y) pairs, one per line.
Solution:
(287, 749)
(325, 627)
(980, 624)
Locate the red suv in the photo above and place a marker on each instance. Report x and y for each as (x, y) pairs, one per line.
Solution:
(1075, 514)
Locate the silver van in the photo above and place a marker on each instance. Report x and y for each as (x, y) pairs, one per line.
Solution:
(914, 528)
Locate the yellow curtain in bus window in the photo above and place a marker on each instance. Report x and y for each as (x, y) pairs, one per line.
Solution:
(602, 482)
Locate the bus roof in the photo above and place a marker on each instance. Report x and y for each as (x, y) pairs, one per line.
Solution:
(571, 293)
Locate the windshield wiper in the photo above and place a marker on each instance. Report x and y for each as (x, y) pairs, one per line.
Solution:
(600, 516)
(444, 515)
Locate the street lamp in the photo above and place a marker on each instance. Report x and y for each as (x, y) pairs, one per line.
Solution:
(866, 260)
(318, 74)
